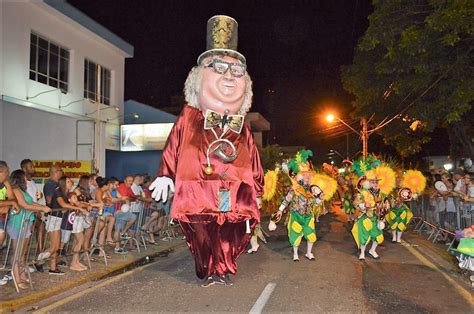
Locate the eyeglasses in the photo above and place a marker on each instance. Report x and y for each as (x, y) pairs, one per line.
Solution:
(221, 67)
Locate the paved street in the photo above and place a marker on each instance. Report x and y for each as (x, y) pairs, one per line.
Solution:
(336, 281)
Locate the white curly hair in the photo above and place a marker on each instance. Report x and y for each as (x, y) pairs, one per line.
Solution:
(193, 83)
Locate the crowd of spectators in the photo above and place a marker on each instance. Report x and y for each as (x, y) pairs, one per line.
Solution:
(450, 199)
(102, 215)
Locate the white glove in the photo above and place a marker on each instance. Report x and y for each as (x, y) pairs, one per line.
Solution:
(160, 188)
(272, 226)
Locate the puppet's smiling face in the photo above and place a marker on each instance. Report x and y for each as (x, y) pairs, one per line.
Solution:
(225, 90)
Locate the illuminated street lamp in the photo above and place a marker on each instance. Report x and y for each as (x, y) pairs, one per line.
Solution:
(364, 134)
(330, 117)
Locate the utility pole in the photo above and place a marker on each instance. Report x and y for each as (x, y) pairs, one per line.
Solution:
(347, 147)
(365, 137)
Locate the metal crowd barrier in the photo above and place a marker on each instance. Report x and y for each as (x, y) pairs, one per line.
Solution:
(19, 257)
(440, 217)
(26, 258)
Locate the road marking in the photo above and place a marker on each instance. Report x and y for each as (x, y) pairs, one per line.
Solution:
(73, 297)
(460, 289)
(263, 299)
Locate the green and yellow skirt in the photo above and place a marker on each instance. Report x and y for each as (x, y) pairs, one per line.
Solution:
(365, 229)
(299, 226)
(399, 218)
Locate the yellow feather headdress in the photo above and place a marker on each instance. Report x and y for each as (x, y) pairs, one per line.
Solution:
(326, 183)
(414, 180)
(386, 178)
(269, 188)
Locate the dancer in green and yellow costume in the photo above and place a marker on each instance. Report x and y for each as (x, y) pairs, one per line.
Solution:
(412, 184)
(348, 191)
(375, 183)
(306, 194)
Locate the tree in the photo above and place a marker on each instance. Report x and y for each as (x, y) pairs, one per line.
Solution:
(416, 61)
(270, 155)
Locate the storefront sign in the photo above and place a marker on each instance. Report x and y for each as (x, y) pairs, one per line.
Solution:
(140, 137)
(74, 169)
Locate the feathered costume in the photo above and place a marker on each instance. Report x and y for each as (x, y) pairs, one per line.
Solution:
(412, 184)
(376, 181)
(306, 194)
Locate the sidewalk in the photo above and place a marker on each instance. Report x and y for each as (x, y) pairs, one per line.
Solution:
(45, 285)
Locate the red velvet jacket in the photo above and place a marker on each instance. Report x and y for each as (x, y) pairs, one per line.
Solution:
(184, 159)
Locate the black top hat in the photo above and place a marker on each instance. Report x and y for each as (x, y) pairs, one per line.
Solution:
(222, 38)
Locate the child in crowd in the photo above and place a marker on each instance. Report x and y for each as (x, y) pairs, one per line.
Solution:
(79, 223)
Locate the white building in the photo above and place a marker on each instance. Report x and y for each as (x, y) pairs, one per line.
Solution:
(53, 58)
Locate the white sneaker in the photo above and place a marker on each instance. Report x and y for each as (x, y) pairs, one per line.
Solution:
(31, 269)
(374, 254)
(43, 255)
(3, 282)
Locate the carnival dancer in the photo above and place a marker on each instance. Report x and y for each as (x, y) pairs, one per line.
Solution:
(375, 183)
(348, 191)
(302, 200)
(211, 160)
(412, 184)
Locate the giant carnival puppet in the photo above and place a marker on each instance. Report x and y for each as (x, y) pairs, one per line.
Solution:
(307, 193)
(211, 161)
(375, 182)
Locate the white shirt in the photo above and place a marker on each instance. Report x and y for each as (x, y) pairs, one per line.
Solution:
(138, 191)
(31, 189)
(460, 186)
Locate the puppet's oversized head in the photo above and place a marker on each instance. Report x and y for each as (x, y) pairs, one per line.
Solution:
(220, 81)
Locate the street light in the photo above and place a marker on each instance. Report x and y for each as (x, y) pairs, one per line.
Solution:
(363, 134)
(330, 118)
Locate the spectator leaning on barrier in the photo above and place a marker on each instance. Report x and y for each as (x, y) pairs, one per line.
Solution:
(124, 218)
(7, 200)
(458, 175)
(83, 193)
(446, 205)
(117, 200)
(92, 183)
(137, 189)
(79, 224)
(27, 166)
(17, 222)
(103, 197)
(53, 223)
(59, 206)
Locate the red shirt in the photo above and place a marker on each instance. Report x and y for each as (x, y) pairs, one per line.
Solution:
(124, 190)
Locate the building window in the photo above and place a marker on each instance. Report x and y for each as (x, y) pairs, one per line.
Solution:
(49, 63)
(91, 77)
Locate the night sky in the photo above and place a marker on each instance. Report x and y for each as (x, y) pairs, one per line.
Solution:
(294, 49)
